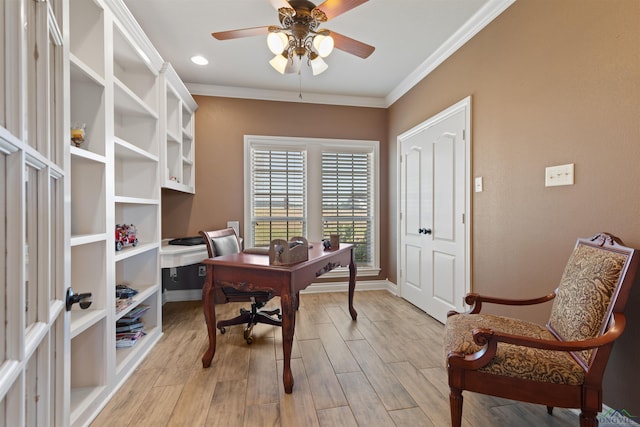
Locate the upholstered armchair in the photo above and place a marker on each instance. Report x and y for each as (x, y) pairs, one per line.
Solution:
(560, 364)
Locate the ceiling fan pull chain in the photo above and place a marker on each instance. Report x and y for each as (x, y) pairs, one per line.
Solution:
(300, 80)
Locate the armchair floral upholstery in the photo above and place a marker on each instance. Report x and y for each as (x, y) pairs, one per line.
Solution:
(559, 364)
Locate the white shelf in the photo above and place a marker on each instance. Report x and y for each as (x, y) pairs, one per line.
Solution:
(136, 200)
(85, 239)
(172, 137)
(144, 292)
(126, 150)
(81, 320)
(80, 153)
(81, 72)
(131, 251)
(82, 399)
(127, 102)
(178, 186)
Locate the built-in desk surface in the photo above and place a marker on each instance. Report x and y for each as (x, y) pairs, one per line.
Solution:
(178, 256)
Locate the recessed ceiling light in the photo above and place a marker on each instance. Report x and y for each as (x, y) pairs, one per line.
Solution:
(200, 60)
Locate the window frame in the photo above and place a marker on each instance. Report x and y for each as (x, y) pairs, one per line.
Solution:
(314, 147)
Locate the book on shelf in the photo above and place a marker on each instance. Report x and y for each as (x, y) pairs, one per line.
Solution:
(133, 327)
(128, 339)
(134, 315)
(122, 304)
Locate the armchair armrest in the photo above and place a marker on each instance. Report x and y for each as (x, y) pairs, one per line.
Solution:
(489, 339)
(476, 300)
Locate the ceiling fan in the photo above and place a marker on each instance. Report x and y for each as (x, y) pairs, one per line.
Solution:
(300, 36)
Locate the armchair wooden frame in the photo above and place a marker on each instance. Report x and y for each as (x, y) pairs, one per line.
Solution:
(464, 368)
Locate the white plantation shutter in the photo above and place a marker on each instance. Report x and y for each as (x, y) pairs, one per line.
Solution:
(347, 201)
(278, 195)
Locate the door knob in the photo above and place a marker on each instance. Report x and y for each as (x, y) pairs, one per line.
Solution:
(424, 230)
(84, 299)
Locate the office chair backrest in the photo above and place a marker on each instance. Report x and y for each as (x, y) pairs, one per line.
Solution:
(221, 242)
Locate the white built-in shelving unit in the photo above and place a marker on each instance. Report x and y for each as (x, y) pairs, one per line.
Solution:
(178, 149)
(119, 91)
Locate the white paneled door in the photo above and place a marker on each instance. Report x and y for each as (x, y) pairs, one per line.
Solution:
(434, 193)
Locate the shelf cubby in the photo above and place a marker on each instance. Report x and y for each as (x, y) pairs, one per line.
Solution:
(88, 368)
(88, 190)
(136, 126)
(140, 272)
(173, 114)
(144, 216)
(132, 68)
(88, 106)
(89, 272)
(152, 330)
(87, 34)
(135, 176)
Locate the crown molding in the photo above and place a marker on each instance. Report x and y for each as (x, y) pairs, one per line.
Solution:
(477, 22)
(284, 96)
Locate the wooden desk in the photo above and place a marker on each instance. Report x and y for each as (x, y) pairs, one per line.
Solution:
(252, 272)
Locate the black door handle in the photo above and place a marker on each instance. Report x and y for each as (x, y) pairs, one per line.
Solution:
(424, 230)
(84, 299)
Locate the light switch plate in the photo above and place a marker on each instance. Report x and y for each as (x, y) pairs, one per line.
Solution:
(478, 184)
(235, 225)
(558, 175)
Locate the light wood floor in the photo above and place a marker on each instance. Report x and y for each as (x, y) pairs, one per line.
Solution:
(385, 369)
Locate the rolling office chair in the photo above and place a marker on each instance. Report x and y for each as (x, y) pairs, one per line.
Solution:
(225, 242)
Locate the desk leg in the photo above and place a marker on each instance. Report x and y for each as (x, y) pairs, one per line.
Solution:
(288, 305)
(352, 286)
(209, 308)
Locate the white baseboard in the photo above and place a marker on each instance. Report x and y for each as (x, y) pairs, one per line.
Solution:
(361, 285)
(314, 288)
(181, 295)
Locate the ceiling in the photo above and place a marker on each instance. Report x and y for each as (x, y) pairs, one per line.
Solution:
(411, 38)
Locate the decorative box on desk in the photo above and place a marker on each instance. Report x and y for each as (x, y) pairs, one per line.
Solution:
(294, 251)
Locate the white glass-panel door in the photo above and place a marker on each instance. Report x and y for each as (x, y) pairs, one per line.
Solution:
(32, 214)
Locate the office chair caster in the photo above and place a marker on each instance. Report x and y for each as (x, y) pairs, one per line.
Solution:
(247, 335)
(223, 330)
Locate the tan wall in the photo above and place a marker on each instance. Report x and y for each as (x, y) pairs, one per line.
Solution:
(552, 82)
(221, 124)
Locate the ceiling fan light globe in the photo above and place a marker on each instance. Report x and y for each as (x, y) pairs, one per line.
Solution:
(277, 42)
(279, 63)
(323, 45)
(318, 66)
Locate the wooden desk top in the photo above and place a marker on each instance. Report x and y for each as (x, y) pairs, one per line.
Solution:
(317, 254)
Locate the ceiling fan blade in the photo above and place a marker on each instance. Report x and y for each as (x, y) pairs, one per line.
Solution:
(333, 8)
(351, 46)
(277, 4)
(245, 32)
